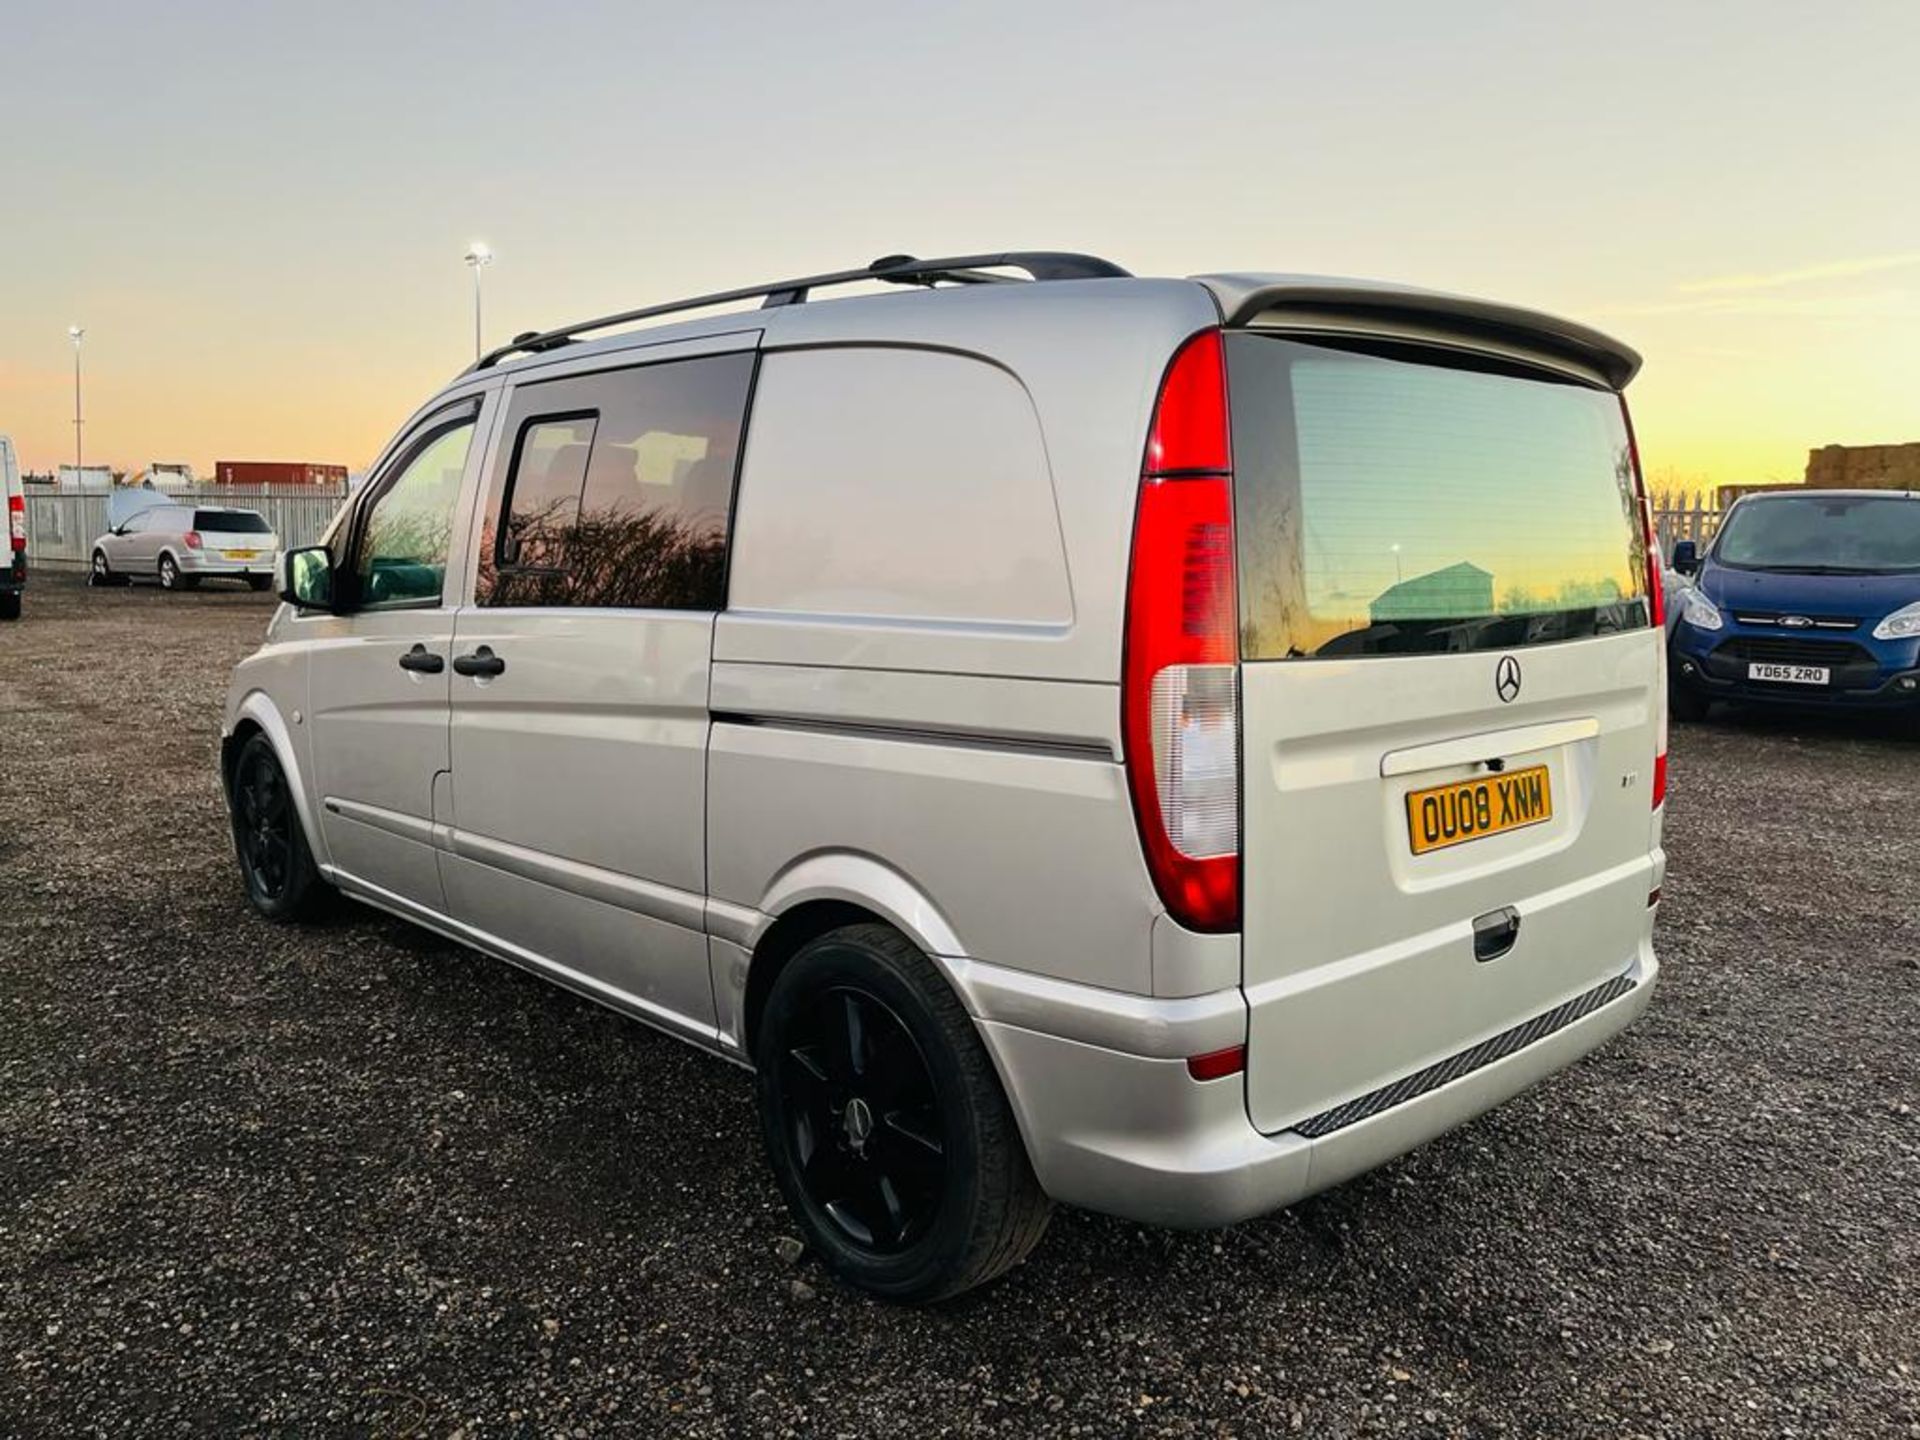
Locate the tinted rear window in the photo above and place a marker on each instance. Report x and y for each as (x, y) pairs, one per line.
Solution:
(231, 522)
(1388, 504)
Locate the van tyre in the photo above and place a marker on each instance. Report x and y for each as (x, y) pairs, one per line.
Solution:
(276, 865)
(1685, 704)
(885, 1123)
(102, 572)
(9, 605)
(257, 583)
(169, 573)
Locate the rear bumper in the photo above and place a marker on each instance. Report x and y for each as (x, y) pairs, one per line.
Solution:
(1132, 1134)
(198, 562)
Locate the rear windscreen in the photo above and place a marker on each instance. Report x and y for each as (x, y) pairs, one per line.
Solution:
(231, 522)
(1403, 504)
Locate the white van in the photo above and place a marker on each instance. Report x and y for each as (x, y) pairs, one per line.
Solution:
(1160, 745)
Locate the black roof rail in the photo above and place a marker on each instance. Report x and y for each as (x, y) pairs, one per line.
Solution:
(893, 269)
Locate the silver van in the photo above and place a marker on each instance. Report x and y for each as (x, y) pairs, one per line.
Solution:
(1160, 745)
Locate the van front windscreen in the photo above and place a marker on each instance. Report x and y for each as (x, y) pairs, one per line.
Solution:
(1823, 533)
(1404, 503)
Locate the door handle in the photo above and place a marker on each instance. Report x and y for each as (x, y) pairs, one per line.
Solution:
(423, 660)
(1495, 932)
(481, 663)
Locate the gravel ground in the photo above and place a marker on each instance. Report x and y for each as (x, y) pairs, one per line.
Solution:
(354, 1180)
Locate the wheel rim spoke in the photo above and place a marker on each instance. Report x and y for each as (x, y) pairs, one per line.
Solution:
(856, 1034)
(806, 1067)
(266, 827)
(863, 1121)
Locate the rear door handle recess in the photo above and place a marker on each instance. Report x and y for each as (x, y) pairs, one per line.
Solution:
(481, 662)
(1493, 932)
(423, 660)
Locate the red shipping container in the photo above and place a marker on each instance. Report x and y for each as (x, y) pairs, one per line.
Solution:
(277, 472)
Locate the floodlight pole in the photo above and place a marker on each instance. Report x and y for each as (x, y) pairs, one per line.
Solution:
(74, 333)
(478, 258)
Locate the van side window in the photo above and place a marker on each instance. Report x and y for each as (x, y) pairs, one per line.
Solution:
(543, 501)
(402, 557)
(617, 488)
(900, 484)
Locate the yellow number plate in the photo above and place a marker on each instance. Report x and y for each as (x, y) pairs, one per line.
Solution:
(1444, 815)
(239, 554)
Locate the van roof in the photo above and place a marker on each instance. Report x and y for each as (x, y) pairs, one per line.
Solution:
(1238, 298)
(1802, 492)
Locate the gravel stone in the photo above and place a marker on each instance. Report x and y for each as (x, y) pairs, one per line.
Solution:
(353, 1180)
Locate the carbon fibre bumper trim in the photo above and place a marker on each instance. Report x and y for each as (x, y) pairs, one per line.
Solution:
(1443, 1072)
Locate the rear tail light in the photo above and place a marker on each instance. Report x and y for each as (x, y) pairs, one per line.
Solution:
(192, 539)
(17, 521)
(1180, 692)
(1656, 603)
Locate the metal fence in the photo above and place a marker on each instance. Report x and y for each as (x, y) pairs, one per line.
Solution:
(1685, 517)
(63, 527)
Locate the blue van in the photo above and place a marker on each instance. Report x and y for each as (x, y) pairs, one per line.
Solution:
(1804, 597)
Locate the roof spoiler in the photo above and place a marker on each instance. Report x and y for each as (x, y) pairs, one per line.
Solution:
(1324, 303)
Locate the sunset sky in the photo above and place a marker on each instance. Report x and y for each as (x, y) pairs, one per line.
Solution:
(258, 210)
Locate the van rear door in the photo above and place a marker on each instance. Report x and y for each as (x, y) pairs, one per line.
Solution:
(1450, 705)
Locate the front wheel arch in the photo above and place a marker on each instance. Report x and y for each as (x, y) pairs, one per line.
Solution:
(257, 712)
(282, 882)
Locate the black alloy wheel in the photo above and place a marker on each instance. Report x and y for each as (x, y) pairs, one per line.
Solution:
(885, 1122)
(272, 848)
(863, 1124)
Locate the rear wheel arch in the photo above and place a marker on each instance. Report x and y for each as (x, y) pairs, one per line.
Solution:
(797, 927)
(824, 891)
(784, 939)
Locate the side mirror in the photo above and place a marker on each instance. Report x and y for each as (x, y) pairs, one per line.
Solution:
(306, 578)
(1686, 557)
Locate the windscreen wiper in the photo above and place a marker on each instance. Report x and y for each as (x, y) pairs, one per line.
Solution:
(1819, 569)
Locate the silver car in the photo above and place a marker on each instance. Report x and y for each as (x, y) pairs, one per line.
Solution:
(1165, 746)
(178, 546)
